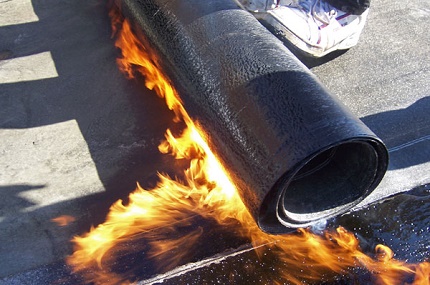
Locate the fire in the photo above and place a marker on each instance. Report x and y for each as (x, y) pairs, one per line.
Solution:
(63, 220)
(160, 222)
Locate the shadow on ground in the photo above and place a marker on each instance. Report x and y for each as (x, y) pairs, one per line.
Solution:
(406, 131)
(120, 120)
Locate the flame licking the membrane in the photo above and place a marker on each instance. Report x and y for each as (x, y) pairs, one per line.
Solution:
(161, 220)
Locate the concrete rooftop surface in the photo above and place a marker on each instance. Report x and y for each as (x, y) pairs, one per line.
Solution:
(76, 135)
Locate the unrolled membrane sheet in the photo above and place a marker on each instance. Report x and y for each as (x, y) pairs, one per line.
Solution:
(295, 152)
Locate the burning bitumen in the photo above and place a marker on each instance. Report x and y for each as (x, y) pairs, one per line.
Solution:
(174, 228)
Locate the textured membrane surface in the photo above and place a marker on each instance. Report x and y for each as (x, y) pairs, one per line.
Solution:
(264, 113)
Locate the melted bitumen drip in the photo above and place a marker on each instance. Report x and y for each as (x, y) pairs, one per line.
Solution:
(401, 223)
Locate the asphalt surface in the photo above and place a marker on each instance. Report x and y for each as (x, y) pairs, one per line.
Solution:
(75, 135)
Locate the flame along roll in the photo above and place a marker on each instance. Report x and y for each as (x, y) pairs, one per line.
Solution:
(296, 154)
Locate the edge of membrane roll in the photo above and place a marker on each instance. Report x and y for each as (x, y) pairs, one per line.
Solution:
(295, 152)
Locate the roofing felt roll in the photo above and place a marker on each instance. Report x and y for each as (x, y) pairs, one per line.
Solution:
(295, 152)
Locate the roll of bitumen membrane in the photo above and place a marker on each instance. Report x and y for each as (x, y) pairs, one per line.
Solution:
(295, 152)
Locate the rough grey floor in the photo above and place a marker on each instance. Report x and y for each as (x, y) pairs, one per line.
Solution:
(75, 135)
(385, 80)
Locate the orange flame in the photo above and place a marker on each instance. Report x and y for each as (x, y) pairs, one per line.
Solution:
(163, 217)
(63, 220)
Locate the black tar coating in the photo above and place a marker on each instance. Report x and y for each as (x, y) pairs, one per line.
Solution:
(265, 114)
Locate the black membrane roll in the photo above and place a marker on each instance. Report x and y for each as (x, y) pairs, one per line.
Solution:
(295, 152)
